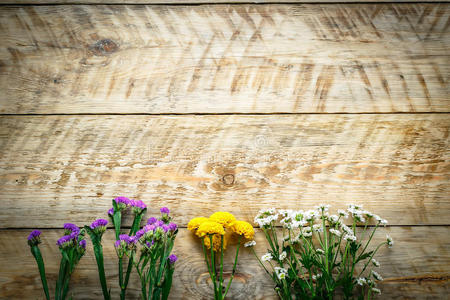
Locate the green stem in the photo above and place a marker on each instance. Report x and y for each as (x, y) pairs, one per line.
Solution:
(221, 265)
(234, 267)
(40, 262)
(213, 268)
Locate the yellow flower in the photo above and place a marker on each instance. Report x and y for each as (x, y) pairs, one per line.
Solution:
(210, 227)
(243, 228)
(216, 242)
(195, 223)
(224, 218)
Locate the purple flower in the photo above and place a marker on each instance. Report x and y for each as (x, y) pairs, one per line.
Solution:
(138, 203)
(148, 228)
(99, 222)
(159, 223)
(164, 210)
(82, 244)
(172, 258)
(123, 200)
(127, 239)
(140, 233)
(34, 238)
(69, 227)
(117, 243)
(151, 220)
(34, 234)
(64, 241)
(165, 227)
(111, 211)
(173, 226)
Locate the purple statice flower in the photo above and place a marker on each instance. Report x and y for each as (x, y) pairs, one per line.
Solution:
(34, 234)
(138, 206)
(99, 226)
(82, 244)
(64, 241)
(151, 220)
(165, 227)
(126, 238)
(123, 200)
(117, 243)
(99, 223)
(140, 233)
(148, 228)
(34, 238)
(69, 228)
(172, 258)
(111, 211)
(159, 223)
(164, 210)
(173, 226)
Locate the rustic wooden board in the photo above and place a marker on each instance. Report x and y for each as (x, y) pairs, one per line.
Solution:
(56, 168)
(416, 268)
(197, 1)
(233, 58)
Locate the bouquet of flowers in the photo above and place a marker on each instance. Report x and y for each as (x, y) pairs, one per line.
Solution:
(319, 255)
(72, 247)
(213, 234)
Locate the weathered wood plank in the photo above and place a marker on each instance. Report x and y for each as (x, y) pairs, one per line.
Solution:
(197, 1)
(416, 268)
(56, 168)
(214, 59)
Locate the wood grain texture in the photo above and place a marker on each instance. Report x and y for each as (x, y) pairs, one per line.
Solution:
(198, 1)
(59, 168)
(415, 268)
(225, 58)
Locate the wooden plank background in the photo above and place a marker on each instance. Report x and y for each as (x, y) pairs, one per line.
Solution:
(224, 107)
(224, 59)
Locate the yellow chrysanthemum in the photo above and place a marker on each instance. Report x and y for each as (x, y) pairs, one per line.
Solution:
(243, 228)
(195, 223)
(216, 242)
(210, 227)
(222, 217)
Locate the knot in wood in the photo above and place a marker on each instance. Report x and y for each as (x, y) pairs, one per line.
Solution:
(228, 179)
(103, 47)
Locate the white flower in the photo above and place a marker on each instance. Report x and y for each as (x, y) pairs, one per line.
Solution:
(320, 251)
(281, 273)
(358, 217)
(375, 262)
(390, 241)
(300, 223)
(342, 213)
(361, 281)
(333, 218)
(310, 215)
(376, 275)
(368, 214)
(383, 222)
(306, 231)
(250, 244)
(285, 212)
(286, 222)
(375, 290)
(315, 277)
(283, 255)
(349, 237)
(377, 218)
(265, 211)
(322, 207)
(347, 229)
(335, 232)
(317, 228)
(266, 257)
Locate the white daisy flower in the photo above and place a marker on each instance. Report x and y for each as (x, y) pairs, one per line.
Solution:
(283, 255)
(250, 244)
(266, 257)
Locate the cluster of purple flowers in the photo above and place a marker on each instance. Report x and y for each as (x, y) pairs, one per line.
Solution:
(124, 244)
(71, 238)
(172, 258)
(123, 203)
(34, 238)
(99, 226)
